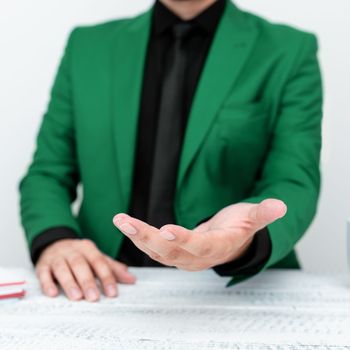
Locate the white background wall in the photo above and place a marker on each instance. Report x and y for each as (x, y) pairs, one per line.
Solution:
(32, 36)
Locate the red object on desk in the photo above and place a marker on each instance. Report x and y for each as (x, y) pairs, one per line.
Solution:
(19, 294)
(11, 286)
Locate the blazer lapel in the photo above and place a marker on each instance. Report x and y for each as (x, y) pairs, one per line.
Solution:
(128, 59)
(232, 44)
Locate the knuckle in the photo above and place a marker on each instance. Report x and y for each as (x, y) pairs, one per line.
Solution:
(121, 265)
(173, 254)
(58, 247)
(205, 249)
(69, 284)
(44, 283)
(42, 268)
(185, 239)
(144, 238)
(76, 260)
(60, 271)
(59, 267)
(43, 278)
(87, 243)
(98, 261)
(87, 283)
(58, 263)
(108, 279)
(105, 273)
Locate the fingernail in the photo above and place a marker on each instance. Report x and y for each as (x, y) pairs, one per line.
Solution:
(117, 220)
(132, 278)
(51, 291)
(128, 229)
(111, 290)
(75, 293)
(91, 295)
(167, 235)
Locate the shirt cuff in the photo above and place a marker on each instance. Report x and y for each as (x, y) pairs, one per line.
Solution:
(252, 261)
(47, 238)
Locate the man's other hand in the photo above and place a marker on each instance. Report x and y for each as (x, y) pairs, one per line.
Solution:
(74, 264)
(223, 238)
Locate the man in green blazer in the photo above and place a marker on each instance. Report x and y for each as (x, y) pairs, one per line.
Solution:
(249, 97)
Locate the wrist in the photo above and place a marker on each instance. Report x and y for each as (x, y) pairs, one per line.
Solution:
(241, 252)
(49, 237)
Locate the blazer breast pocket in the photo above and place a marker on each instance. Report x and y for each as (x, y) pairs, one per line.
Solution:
(244, 124)
(236, 146)
(247, 111)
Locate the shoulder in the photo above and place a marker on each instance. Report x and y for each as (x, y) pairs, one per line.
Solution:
(102, 33)
(281, 36)
(96, 31)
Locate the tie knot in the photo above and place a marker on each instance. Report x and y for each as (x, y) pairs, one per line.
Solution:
(180, 30)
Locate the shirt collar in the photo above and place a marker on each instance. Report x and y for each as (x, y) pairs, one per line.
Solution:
(164, 18)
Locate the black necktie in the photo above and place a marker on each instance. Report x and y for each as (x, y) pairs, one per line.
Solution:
(168, 140)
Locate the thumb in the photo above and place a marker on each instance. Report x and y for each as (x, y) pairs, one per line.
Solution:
(266, 212)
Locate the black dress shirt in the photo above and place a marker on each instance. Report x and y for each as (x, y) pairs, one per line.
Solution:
(197, 46)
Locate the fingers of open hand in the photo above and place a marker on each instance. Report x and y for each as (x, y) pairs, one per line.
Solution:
(172, 245)
(210, 248)
(142, 234)
(146, 238)
(198, 244)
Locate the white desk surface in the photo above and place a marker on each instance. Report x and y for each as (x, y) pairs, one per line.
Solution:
(171, 309)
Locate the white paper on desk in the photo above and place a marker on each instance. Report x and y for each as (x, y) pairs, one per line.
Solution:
(169, 309)
(10, 278)
(11, 285)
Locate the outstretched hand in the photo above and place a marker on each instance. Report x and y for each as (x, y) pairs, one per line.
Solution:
(223, 238)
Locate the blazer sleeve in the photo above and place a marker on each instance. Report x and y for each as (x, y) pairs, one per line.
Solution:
(291, 169)
(49, 187)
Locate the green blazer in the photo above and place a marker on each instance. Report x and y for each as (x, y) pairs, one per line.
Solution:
(254, 131)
